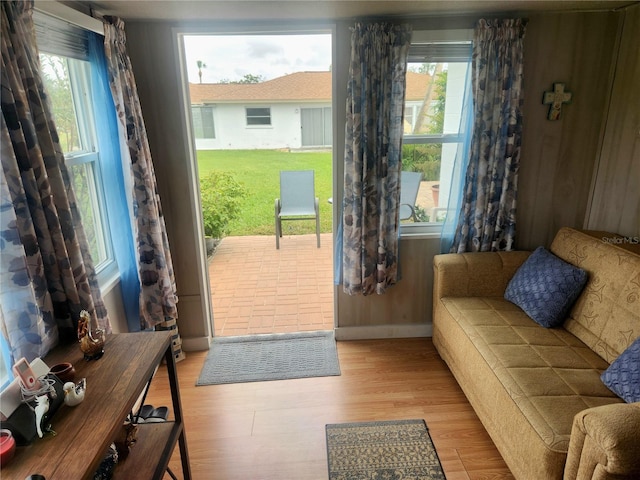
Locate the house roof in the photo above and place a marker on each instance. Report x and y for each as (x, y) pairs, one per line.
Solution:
(417, 84)
(299, 86)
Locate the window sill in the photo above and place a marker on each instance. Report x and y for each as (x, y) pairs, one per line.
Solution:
(108, 277)
(420, 231)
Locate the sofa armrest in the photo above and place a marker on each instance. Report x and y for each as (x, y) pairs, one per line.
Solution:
(484, 274)
(605, 443)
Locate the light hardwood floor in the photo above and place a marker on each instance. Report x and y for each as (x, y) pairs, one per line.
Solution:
(276, 430)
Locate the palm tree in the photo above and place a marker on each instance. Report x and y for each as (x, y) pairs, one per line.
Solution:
(201, 65)
(435, 70)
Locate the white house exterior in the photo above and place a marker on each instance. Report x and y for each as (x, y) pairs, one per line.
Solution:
(284, 130)
(291, 112)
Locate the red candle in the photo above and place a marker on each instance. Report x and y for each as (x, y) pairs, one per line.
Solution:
(7, 446)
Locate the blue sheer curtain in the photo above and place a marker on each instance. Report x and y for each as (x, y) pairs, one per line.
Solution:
(111, 169)
(459, 167)
(6, 359)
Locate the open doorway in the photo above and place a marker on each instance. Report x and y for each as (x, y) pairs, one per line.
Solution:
(262, 103)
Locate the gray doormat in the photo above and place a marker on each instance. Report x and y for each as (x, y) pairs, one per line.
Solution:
(400, 450)
(257, 358)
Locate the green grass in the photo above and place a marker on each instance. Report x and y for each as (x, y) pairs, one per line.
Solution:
(259, 172)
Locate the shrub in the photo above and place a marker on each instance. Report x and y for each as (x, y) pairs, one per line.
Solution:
(421, 214)
(221, 196)
(423, 158)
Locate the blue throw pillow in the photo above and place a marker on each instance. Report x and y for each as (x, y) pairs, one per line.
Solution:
(623, 375)
(546, 287)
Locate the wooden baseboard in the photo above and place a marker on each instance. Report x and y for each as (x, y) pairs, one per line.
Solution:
(383, 331)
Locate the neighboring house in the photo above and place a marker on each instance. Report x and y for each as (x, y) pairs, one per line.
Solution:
(293, 111)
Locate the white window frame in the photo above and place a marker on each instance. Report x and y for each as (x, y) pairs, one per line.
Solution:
(422, 41)
(51, 41)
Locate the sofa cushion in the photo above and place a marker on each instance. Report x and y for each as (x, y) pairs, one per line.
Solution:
(546, 287)
(623, 375)
(606, 315)
(548, 373)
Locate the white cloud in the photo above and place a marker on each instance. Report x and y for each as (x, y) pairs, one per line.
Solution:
(230, 57)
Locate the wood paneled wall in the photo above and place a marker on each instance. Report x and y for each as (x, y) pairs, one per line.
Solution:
(615, 204)
(405, 309)
(558, 157)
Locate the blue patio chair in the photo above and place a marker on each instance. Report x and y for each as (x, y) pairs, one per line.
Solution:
(297, 200)
(409, 186)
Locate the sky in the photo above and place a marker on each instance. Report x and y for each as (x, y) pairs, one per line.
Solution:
(231, 57)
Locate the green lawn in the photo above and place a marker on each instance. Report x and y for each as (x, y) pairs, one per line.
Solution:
(259, 172)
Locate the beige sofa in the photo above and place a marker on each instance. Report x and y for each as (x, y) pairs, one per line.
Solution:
(538, 390)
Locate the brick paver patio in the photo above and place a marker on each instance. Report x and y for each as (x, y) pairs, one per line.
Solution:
(258, 289)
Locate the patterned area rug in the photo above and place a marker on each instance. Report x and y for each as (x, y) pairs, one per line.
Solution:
(395, 450)
(257, 358)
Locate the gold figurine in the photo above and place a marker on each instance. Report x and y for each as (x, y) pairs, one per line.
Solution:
(91, 341)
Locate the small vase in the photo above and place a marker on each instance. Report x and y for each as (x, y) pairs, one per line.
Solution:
(64, 371)
(435, 193)
(92, 345)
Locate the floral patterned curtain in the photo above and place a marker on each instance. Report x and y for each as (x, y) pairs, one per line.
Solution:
(488, 215)
(47, 273)
(158, 297)
(373, 153)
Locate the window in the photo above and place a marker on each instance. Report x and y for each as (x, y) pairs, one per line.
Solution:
(258, 116)
(5, 361)
(70, 79)
(203, 125)
(436, 78)
(67, 81)
(66, 73)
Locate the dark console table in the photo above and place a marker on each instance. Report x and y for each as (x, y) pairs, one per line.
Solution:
(84, 433)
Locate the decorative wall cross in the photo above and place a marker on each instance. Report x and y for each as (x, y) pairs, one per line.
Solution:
(555, 100)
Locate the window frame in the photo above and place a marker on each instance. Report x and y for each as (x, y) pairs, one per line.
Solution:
(201, 108)
(258, 125)
(52, 38)
(425, 48)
